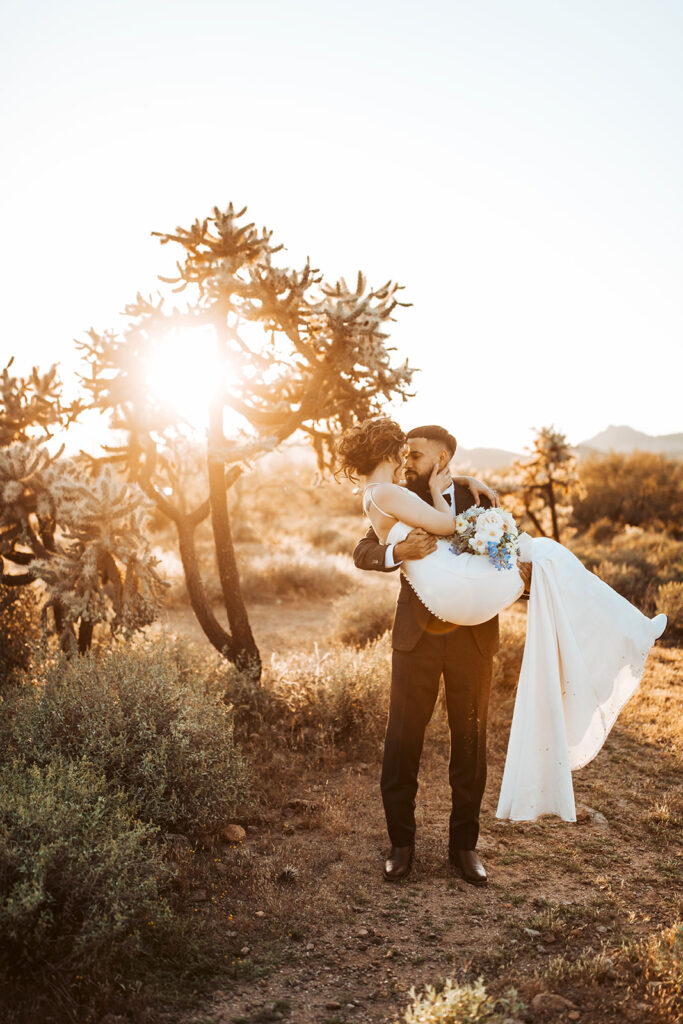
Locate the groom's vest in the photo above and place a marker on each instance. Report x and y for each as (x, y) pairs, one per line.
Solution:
(412, 619)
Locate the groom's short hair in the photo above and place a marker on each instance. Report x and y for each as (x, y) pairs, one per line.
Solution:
(434, 432)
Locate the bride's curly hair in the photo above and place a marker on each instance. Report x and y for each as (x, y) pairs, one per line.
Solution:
(362, 447)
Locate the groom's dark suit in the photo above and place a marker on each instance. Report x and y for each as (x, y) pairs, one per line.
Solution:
(424, 649)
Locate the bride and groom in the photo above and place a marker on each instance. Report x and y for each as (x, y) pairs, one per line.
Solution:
(585, 650)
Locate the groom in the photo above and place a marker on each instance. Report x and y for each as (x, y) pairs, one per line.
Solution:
(426, 648)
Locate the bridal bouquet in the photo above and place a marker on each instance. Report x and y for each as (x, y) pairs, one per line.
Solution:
(487, 531)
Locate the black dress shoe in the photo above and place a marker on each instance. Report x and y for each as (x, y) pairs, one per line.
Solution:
(398, 863)
(470, 867)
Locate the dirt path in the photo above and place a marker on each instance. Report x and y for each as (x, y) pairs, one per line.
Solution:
(315, 936)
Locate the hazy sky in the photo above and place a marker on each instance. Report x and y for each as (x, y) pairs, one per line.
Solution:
(517, 165)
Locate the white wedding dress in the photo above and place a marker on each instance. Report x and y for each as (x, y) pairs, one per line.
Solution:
(584, 656)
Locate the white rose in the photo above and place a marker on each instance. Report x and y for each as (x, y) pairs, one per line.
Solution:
(461, 524)
(489, 531)
(491, 517)
(478, 545)
(509, 522)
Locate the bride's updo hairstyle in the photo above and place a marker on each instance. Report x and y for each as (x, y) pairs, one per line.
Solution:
(361, 448)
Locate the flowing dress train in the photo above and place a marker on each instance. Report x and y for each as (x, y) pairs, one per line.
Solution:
(584, 657)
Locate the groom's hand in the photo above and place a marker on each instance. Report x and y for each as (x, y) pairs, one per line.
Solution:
(418, 544)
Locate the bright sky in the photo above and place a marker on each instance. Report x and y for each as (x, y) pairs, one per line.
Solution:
(516, 165)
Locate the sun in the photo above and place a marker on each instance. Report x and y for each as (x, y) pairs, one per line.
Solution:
(183, 373)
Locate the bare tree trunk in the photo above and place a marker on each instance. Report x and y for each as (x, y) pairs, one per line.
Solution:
(245, 652)
(213, 630)
(85, 631)
(534, 519)
(553, 511)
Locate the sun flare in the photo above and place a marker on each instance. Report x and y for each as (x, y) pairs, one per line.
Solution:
(183, 373)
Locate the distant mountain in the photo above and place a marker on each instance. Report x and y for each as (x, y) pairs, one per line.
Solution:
(626, 439)
(485, 458)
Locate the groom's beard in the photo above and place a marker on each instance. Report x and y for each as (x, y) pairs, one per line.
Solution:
(419, 485)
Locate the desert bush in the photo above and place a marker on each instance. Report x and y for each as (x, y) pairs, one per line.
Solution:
(337, 539)
(508, 659)
(661, 958)
(364, 617)
(19, 628)
(670, 601)
(640, 489)
(460, 1004)
(308, 701)
(79, 886)
(288, 574)
(150, 717)
(636, 563)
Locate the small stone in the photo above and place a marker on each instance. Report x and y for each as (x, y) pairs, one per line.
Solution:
(245, 951)
(177, 841)
(310, 946)
(333, 1005)
(260, 913)
(574, 1015)
(549, 938)
(363, 767)
(362, 933)
(303, 806)
(546, 1002)
(589, 814)
(233, 834)
(531, 932)
(601, 928)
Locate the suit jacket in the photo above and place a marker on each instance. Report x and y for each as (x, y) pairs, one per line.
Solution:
(412, 618)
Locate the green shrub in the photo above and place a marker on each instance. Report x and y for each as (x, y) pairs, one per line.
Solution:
(460, 1004)
(307, 701)
(364, 616)
(79, 885)
(507, 661)
(150, 717)
(288, 574)
(641, 489)
(670, 601)
(661, 957)
(19, 628)
(636, 563)
(335, 539)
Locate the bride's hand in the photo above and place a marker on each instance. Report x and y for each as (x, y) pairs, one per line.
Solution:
(439, 480)
(478, 490)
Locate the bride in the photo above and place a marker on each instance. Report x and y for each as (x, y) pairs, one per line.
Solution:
(585, 649)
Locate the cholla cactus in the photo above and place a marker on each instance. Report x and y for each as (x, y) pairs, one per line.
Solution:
(320, 360)
(102, 570)
(82, 537)
(542, 480)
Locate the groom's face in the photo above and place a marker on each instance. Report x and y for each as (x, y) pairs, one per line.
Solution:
(422, 455)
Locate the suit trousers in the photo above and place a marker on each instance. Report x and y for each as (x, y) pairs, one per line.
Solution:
(415, 679)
